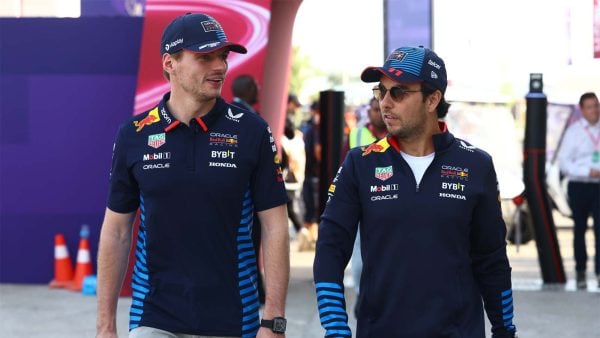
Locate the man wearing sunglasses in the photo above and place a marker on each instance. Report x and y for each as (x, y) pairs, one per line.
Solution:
(432, 235)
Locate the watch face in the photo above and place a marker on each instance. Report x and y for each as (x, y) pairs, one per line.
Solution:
(279, 325)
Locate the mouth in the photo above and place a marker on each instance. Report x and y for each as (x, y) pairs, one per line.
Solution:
(389, 117)
(216, 79)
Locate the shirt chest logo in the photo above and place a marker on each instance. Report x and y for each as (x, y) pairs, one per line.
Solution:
(233, 117)
(454, 172)
(151, 118)
(157, 156)
(157, 140)
(383, 173)
(222, 164)
(223, 139)
(222, 155)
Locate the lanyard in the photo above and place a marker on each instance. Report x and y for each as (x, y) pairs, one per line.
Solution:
(595, 140)
(595, 143)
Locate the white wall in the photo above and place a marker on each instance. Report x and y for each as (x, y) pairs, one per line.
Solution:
(491, 46)
(40, 8)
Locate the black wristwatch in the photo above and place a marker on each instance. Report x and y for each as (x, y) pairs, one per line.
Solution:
(276, 324)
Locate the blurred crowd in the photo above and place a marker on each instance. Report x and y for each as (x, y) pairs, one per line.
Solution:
(301, 158)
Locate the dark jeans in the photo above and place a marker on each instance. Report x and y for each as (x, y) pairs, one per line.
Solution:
(310, 197)
(292, 213)
(584, 199)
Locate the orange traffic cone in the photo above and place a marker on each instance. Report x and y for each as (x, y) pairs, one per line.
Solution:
(63, 269)
(84, 262)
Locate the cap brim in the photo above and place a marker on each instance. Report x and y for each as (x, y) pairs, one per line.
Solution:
(373, 74)
(210, 47)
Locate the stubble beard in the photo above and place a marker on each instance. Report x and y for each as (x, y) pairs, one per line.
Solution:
(407, 131)
(201, 94)
(195, 89)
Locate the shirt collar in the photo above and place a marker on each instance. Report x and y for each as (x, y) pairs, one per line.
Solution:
(206, 122)
(586, 124)
(441, 141)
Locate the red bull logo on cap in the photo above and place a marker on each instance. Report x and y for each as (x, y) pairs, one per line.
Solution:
(152, 117)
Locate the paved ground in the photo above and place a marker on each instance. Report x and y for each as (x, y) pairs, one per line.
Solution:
(541, 311)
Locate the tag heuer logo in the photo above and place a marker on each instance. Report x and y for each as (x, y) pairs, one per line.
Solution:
(156, 140)
(383, 173)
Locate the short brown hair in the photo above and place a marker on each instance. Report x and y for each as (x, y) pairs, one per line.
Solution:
(443, 106)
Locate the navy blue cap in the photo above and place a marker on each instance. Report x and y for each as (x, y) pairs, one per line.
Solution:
(198, 33)
(411, 64)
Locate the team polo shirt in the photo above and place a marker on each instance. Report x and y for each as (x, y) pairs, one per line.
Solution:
(431, 251)
(197, 188)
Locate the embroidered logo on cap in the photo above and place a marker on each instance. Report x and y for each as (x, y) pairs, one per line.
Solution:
(211, 26)
(397, 55)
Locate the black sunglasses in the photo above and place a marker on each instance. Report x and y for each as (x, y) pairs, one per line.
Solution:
(397, 93)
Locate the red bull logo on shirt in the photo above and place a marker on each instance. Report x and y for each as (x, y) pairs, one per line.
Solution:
(460, 173)
(152, 117)
(220, 139)
(379, 147)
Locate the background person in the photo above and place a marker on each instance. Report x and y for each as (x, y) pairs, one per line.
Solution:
(293, 160)
(310, 188)
(579, 159)
(245, 92)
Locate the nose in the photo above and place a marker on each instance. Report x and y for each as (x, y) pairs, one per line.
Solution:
(386, 101)
(220, 64)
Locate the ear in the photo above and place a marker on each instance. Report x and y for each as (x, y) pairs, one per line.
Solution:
(433, 100)
(167, 63)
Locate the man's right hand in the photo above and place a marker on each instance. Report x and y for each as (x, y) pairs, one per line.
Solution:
(594, 173)
(106, 335)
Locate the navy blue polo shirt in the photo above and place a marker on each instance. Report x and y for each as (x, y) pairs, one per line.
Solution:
(197, 188)
(431, 251)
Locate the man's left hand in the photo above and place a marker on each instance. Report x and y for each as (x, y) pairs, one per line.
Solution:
(268, 333)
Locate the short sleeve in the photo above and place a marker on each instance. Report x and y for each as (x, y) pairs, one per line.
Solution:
(124, 193)
(267, 181)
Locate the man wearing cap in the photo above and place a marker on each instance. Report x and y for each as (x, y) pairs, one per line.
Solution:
(432, 236)
(197, 168)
